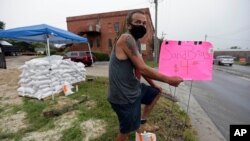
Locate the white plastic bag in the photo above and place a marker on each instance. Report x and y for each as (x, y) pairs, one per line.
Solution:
(67, 89)
(146, 136)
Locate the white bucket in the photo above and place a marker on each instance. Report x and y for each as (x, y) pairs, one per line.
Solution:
(146, 136)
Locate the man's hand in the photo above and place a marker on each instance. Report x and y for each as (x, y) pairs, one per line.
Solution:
(175, 81)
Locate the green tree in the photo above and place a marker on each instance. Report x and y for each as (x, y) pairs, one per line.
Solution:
(235, 47)
(2, 25)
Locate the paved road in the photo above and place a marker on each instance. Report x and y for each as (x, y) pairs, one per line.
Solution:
(17, 61)
(238, 70)
(226, 98)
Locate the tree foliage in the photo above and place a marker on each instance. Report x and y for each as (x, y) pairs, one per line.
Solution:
(235, 47)
(2, 25)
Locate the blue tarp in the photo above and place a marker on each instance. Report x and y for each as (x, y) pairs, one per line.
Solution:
(40, 33)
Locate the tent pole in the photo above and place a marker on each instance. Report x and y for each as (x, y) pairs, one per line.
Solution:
(53, 97)
(91, 55)
(48, 45)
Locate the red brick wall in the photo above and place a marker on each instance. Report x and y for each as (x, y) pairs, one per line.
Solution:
(78, 24)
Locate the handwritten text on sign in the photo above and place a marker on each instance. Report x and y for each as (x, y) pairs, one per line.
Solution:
(187, 59)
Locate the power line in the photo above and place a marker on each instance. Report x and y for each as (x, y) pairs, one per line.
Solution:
(241, 30)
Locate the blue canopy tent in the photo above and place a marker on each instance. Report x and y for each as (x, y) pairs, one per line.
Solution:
(43, 33)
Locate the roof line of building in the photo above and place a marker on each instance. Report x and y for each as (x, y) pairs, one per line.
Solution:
(104, 15)
(107, 15)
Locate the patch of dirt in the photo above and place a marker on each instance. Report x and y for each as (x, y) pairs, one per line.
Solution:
(63, 122)
(9, 80)
(8, 87)
(93, 128)
(62, 102)
(90, 104)
(12, 123)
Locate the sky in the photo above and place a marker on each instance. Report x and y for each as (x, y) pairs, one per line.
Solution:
(225, 22)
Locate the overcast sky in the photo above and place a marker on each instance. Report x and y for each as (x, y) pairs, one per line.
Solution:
(226, 22)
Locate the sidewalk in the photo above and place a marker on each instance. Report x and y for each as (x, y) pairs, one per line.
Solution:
(206, 129)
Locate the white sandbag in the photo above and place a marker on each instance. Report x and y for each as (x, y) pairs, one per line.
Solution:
(39, 77)
(38, 62)
(40, 87)
(42, 82)
(47, 76)
(25, 90)
(58, 88)
(24, 74)
(54, 83)
(23, 67)
(24, 80)
(42, 95)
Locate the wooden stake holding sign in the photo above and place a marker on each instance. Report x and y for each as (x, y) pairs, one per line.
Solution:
(190, 60)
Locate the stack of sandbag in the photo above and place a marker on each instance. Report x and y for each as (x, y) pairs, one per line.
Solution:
(42, 77)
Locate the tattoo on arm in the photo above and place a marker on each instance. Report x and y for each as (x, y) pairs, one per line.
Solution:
(131, 44)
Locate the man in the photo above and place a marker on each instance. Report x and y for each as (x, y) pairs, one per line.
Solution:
(126, 93)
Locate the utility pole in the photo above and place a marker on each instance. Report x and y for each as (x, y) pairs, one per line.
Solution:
(205, 37)
(156, 45)
(156, 15)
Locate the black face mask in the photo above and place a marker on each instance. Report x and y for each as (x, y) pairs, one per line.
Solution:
(138, 31)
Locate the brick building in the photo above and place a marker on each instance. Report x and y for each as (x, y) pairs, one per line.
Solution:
(103, 28)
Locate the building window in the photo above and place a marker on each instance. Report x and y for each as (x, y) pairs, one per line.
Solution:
(97, 42)
(91, 43)
(116, 27)
(110, 43)
(143, 47)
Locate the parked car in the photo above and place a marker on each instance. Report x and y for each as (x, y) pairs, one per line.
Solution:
(224, 59)
(80, 56)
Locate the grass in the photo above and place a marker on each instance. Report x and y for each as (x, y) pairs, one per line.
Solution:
(151, 63)
(34, 109)
(73, 133)
(167, 115)
(243, 64)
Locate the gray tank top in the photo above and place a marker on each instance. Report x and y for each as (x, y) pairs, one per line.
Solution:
(124, 87)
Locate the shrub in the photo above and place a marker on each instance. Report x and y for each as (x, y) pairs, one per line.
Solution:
(101, 56)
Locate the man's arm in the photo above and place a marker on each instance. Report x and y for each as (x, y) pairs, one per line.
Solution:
(129, 47)
(152, 83)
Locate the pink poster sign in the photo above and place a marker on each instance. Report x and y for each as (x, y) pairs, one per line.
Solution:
(190, 60)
